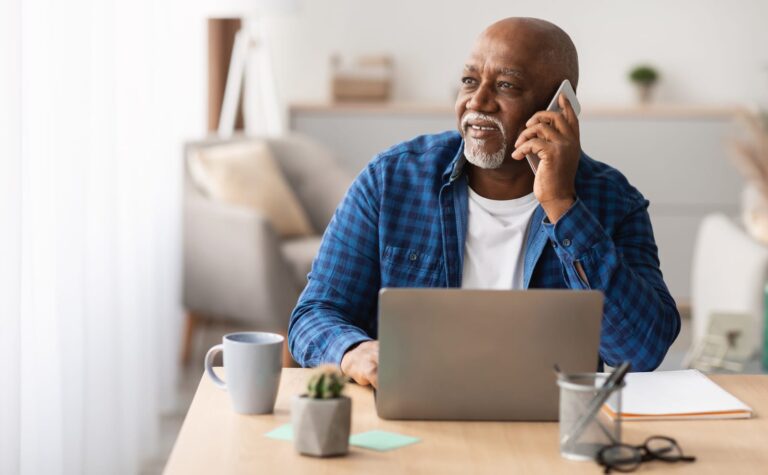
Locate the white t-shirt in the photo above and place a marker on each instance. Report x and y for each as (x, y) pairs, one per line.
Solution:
(494, 253)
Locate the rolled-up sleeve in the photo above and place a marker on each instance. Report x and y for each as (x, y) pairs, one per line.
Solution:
(640, 318)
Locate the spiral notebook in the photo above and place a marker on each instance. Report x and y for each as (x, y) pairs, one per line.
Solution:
(676, 395)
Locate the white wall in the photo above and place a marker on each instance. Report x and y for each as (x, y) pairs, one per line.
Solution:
(707, 51)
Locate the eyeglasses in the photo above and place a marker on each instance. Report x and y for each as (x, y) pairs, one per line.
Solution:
(626, 458)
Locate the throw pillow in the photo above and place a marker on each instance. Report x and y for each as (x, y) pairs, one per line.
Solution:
(246, 174)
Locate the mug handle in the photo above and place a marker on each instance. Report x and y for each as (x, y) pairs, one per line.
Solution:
(209, 366)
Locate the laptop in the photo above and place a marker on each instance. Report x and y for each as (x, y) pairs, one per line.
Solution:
(456, 354)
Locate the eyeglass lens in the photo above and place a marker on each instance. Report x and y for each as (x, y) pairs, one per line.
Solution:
(626, 458)
(663, 448)
(620, 457)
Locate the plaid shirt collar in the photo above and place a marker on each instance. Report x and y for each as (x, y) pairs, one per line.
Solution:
(456, 167)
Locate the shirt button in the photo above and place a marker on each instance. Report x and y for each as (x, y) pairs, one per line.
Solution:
(414, 256)
(566, 242)
(554, 244)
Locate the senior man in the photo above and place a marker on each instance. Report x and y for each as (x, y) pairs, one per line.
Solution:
(463, 209)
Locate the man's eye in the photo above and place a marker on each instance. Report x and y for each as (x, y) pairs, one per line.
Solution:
(506, 85)
(468, 81)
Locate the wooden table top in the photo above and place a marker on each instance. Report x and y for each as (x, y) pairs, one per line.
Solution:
(214, 439)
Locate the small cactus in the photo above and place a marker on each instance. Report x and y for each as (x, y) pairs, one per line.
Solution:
(326, 383)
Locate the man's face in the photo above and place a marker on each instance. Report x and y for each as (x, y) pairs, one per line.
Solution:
(502, 85)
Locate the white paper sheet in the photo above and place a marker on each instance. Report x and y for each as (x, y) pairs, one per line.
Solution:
(685, 394)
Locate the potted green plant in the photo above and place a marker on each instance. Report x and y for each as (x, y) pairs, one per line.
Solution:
(644, 77)
(750, 154)
(322, 417)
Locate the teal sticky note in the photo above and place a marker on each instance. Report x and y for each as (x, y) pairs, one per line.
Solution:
(284, 432)
(381, 440)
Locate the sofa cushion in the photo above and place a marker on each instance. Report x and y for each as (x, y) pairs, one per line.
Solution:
(300, 253)
(246, 174)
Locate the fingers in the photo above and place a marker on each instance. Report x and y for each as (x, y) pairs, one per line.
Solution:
(555, 119)
(547, 129)
(362, 363)
(569, 113)
(535, 146)
(368, 373)
(540, 130)
(372, 368)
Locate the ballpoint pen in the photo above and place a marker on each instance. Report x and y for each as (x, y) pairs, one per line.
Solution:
(612, 383)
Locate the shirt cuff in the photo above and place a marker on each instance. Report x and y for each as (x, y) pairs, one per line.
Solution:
(575, 233)
(341, 344)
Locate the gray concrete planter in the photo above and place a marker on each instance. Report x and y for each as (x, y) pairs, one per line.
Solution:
(321, 426)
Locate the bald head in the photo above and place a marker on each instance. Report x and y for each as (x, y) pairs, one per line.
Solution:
(515, 67)
(554, 47)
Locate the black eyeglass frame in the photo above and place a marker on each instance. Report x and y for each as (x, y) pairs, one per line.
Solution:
(642, 453)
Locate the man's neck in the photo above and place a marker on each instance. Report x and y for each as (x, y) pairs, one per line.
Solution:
(514, 179)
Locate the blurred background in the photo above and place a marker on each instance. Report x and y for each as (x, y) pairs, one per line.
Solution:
(168, 168)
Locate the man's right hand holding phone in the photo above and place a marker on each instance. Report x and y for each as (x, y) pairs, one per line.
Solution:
(361, 363)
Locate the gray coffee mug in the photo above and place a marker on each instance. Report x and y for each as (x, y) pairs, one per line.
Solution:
(252, 364)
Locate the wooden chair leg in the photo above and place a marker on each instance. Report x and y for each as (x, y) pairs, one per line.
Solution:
(191, 324)
(287, 358)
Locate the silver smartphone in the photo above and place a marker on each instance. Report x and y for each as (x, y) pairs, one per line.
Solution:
(570, 94)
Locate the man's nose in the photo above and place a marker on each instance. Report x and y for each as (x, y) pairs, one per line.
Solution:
(482, 100)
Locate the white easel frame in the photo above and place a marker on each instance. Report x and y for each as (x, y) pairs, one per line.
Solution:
(251, 45)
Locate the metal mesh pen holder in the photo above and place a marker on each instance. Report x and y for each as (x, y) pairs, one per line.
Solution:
(582, 435)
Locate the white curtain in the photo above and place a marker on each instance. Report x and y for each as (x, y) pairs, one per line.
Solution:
(96, 98)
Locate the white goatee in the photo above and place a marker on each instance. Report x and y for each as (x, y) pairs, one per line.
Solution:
(475, 153)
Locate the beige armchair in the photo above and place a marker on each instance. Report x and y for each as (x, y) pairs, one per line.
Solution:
(238, 272)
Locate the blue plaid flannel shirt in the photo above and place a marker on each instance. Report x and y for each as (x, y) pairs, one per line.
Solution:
(403, 223)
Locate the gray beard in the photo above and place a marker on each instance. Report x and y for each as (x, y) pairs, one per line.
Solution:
(473, 151)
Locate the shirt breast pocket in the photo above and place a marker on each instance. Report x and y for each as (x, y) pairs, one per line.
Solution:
(411, 267)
